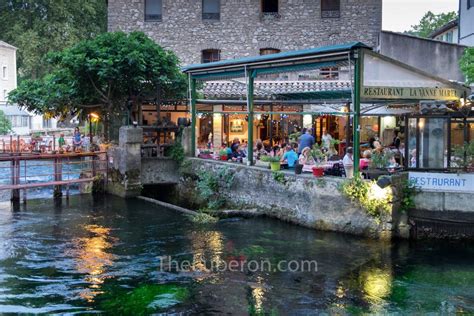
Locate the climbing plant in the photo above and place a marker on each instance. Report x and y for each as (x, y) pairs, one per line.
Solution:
(211, 186)
(408, 192)
(374, 200)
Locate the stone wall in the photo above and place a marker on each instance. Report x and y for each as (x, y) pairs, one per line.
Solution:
(159, 170)
(303, 199)
(435, 57)
(242, 31)
(125, 163)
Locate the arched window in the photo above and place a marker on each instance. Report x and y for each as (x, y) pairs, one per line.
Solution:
(210, 55)
(268, 51)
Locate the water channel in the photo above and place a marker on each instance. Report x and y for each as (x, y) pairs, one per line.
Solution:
(107, 255)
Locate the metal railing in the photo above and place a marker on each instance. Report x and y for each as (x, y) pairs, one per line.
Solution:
(27, 171)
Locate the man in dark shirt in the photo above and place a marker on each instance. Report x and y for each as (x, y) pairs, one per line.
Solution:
(306, 140)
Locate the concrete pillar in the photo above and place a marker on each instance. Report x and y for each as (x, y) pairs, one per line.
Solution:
(125, 163)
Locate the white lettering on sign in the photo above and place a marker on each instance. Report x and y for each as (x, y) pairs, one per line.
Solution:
(443, 182)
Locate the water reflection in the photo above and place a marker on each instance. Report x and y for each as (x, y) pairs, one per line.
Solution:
(92, 257)
(58, 260)
(377, 284)
(207, 248)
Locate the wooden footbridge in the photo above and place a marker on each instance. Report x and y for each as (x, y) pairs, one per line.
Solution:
(20, 171)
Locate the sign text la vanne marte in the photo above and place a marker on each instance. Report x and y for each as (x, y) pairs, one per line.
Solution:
(410, 93)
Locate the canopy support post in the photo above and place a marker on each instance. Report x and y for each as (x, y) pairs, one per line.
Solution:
(250, 90)
(192, 97)
(356, 121)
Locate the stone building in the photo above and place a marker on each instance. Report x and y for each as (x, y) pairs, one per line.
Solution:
(209, 30)
(466, 22)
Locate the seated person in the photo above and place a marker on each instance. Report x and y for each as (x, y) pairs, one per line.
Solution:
(365, 160)
(306, 158)
(290, 157)
(260, 150)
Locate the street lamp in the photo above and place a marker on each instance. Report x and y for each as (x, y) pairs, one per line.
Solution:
(92, 116)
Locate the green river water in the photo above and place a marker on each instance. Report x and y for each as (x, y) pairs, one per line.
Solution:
(107, 256)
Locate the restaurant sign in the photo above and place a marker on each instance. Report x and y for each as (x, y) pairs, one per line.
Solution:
(410, 93)
(443, 182)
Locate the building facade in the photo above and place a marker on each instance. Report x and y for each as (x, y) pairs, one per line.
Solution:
(466, 22)
(22, 121)
(448, 33)
(209, 30)
(8, 80)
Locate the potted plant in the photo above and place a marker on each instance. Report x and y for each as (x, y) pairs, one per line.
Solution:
(320, 159)
(263, 162)
(379, 162)
(298, 168)
(223, 155)
(206, 154)
(274, 162)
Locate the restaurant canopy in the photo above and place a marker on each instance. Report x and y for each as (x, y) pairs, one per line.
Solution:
(373, 78)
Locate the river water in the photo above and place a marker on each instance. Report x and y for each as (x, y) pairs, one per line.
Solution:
(111, 255)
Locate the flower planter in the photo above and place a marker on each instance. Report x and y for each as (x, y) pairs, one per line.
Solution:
(275, 166)
(318, 172)
(205, 156)
(376, 173)
(298, 169)
(263, 164)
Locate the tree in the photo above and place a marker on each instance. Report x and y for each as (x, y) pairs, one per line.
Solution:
(112, 70)
(431, 22)
(467, 64)
(5, 124)
(37, 27)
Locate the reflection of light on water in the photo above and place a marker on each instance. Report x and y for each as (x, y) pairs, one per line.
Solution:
(258, 294)
(92, 258)
(377, 284)
(207, 248)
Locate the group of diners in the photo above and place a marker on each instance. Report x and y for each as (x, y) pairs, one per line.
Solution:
(301, 152)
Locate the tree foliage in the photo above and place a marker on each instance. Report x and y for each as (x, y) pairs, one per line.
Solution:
(5, 124)
(109, 71)
(467, 64)
(37, 27)
(431, 22)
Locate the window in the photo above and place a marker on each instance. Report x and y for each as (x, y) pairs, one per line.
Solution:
(4, 72)
(470, 4)
(210, 55)
(330, 8)
(19, 120)
(449, 37)
(270, 6)
(268, 51)
(153, 10)
(46, 123)
(330, 73)
(211, 9)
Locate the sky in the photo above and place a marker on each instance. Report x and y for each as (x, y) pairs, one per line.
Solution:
(400, 15)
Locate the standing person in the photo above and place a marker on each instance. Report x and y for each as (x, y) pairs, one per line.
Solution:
(76, 139)
(396, 140)
(61, 141)
(306, 140)
(326, 139)
(348, 163)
